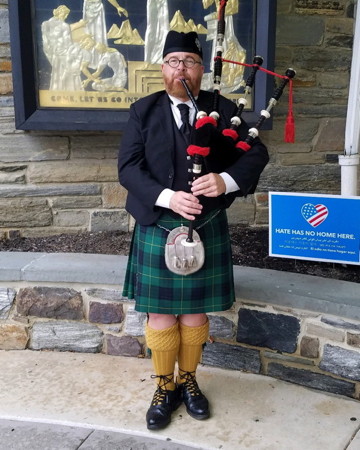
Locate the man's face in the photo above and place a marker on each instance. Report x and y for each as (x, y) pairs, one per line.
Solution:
(192, 76)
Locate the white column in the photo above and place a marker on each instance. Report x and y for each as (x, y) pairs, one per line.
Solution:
(349, 162)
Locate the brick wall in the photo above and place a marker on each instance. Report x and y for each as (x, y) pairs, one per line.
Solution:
(57, 182)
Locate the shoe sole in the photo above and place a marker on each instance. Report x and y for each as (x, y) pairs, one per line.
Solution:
(198, 416)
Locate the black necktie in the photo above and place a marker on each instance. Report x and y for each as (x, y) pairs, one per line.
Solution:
(185, 127)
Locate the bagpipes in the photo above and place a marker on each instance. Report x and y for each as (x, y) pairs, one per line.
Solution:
(225, 147)
(218, 148)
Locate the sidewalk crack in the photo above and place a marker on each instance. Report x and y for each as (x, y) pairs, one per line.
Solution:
(84, 440)
(352, 437)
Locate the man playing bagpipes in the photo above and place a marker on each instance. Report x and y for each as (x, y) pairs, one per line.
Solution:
(156, 166)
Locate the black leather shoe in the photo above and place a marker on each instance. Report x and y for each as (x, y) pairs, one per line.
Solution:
(163, 404)
(197, 405)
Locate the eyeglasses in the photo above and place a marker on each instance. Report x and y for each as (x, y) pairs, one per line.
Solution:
(189, 62)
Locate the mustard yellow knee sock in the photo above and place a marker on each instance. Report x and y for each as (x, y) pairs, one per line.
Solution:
(191, 345)
(164, 346)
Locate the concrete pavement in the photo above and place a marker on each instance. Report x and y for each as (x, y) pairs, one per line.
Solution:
(68, 401)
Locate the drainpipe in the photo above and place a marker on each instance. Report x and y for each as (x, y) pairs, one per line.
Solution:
(349, 162)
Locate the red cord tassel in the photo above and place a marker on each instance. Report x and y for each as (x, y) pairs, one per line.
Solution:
(290, 122)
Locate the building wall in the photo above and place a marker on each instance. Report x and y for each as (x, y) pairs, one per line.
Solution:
(61, 182)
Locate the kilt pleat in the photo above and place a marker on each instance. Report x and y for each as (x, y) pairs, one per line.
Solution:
(158, 290)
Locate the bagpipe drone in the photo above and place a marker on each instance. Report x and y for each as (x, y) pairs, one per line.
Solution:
(221, 149)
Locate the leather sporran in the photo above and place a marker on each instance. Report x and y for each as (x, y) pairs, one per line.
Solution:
(182, 257)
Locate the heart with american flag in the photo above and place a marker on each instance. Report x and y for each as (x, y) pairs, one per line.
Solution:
(314, 214)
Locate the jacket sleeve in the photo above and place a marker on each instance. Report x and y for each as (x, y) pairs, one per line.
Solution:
(133, 167)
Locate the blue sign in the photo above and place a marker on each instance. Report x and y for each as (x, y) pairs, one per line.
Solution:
(314, 227)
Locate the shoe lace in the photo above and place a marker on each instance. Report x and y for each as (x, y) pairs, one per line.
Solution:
(161, 391)
(190, 383)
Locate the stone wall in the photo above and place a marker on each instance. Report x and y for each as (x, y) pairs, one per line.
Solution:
(57, 182)
(309, 348)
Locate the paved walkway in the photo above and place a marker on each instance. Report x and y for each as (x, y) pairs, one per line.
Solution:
(68, 401)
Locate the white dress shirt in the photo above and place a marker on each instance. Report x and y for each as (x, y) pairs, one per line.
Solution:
(164, 198)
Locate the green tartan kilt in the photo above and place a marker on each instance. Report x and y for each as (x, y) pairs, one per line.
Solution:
(158, 290)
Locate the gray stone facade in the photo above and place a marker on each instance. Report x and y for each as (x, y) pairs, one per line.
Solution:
(61, 182)
(309, 348)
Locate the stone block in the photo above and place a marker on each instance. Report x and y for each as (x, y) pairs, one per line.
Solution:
(262, 216)
(309, 347)
(340, 323)
(4, 26)
(242, 212)
(7, 297)
(76, 202)
(339, 41)
(221, 327)
(29, 212)
(283, 6)
(287, 359)
(326, 332)
(49, 191)
(106, 312)
(113, 220)
(103, 146)
(6, 101)
(353, 340)
(297, 159)
(123, 346)
(66, 336)
(340, 26)
(6, 86)
(26, 147)
(71, 218)
(50, 302)
(5, 51)
(331, 136)
(310, 58)
(318, 7)
(328, 80)
(74, 170)
(112, 295)
(305, 178)
(342, 362)
(311, 379)
(12, 174)
(262, 199)
(114, 195)
(13, 336)
(5, 66)
(134, 322)
(234, 357)
(262, 329)
(294, 30)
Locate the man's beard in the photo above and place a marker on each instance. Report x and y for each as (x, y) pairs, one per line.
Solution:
(175, 88)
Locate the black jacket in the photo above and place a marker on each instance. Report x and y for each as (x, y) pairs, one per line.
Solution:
(146, 156)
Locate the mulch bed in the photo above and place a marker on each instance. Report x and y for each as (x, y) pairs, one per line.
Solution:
(250, 248)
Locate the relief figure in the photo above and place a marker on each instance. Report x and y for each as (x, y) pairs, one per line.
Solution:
(57, 40)
(94, 16)
(156, 30)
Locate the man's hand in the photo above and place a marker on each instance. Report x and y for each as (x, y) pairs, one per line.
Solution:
(210, 185)
(185, 204)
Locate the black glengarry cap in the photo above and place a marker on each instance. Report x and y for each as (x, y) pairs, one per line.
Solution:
(182, 42)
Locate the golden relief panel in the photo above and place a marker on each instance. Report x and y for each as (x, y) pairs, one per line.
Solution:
(106, 54)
